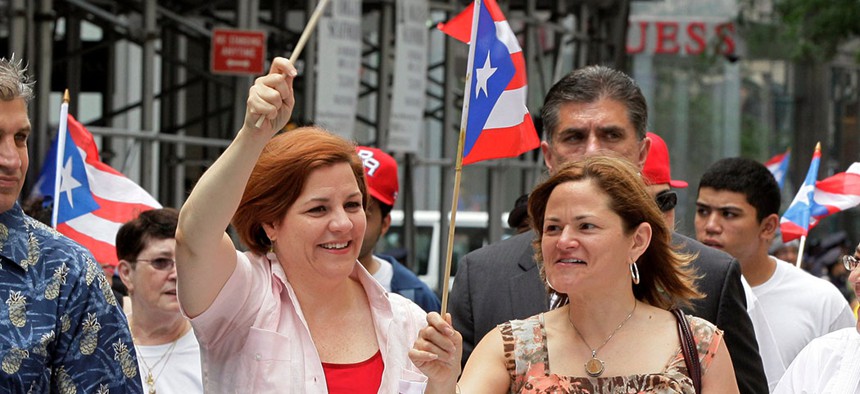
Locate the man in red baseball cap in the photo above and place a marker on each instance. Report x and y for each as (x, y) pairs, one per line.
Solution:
(380, 172)
(658, 176)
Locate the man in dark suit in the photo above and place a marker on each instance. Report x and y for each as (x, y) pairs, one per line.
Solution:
(593, 110)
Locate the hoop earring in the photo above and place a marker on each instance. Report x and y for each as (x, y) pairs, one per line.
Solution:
(634, 272)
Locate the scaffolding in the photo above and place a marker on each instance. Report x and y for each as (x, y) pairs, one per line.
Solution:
(141, 69)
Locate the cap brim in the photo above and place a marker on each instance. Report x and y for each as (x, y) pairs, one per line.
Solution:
(678, 184)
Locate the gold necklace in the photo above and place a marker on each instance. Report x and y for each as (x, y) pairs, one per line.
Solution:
(595, 366)
(150, 380)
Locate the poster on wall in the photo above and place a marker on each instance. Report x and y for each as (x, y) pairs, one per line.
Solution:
(410, 77)
(338, 67)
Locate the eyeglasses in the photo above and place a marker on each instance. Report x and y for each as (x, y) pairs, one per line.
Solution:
(850, 262)
(161, 263)
(666, 200)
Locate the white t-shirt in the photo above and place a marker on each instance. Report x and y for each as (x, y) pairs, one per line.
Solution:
(828, 365)
(384, 274)
(767, 346)
(798, 307)
(179, 372)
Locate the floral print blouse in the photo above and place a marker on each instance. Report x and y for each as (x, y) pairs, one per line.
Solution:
(527, 362)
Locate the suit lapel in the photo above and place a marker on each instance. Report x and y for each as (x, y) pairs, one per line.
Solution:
(527, 291)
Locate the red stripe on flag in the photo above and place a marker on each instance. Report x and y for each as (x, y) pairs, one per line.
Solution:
(519, 78)
(495, 11)
(841, 183)
(791, 231)
(118, 212)
(504, 142)
(104, 253)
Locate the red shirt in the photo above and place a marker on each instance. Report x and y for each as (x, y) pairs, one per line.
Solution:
(359, 378)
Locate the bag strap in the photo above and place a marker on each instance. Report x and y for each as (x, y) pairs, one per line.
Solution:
(688, 346)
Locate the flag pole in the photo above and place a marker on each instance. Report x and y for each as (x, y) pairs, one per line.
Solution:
(458, 166)
(449, 254)
(306, 34)
(800, 250)
(61, 148)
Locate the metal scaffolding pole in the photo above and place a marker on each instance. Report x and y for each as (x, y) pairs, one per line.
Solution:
(383, 80)
(149, 179)
(43, 59)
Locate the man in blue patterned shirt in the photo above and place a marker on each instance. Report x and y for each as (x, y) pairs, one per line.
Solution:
(60, 328)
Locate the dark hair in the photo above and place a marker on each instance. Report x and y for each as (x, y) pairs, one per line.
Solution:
(588, 85)
(384, 209)
(748, 177)
(279, 177)
(518, 217)
(150, 225)
(666, 280)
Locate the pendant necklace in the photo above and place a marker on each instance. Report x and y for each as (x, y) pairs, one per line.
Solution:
(595, 366)
(150, 379)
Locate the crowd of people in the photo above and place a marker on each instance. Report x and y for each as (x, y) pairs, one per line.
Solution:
(597, 293)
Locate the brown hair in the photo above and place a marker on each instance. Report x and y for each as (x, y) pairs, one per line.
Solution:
(666, 280)
(279, 177)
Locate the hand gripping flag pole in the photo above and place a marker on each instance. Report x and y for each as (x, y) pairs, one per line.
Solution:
(306, 34)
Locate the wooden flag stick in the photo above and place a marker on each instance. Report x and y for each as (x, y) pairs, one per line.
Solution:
(449, 254)
(306, 34)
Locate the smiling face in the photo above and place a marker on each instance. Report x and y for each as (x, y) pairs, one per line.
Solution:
(14, 159)
(152, 291)
(586, 129)
(322, 232)
(584, 243)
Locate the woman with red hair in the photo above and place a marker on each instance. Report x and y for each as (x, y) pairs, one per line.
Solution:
(297, 312)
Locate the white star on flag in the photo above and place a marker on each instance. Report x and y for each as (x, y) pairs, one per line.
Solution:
(68, 183)
(484, 74)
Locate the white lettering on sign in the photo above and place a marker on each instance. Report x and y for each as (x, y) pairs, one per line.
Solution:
(369, 162)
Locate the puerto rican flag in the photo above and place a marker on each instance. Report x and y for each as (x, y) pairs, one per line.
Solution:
(837, 193)
(798, 218)
(778, 166)
(498, 123)
(95, 199)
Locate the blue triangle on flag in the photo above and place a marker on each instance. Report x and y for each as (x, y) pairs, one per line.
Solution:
(76, 198)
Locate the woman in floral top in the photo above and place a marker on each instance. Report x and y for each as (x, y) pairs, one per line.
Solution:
(606, 257)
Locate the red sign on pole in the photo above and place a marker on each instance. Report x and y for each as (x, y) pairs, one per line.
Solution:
(238, 51)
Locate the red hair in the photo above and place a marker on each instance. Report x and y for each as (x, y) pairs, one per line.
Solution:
(279, 177)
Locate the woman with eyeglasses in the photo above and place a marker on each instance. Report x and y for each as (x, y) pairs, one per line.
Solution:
(831, 363)
(168, 354)
(297, 312)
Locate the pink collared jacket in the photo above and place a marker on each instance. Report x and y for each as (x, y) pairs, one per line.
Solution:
(254, 338)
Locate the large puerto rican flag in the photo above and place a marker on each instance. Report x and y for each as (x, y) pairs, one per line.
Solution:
(95, 199)
(498, 124)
